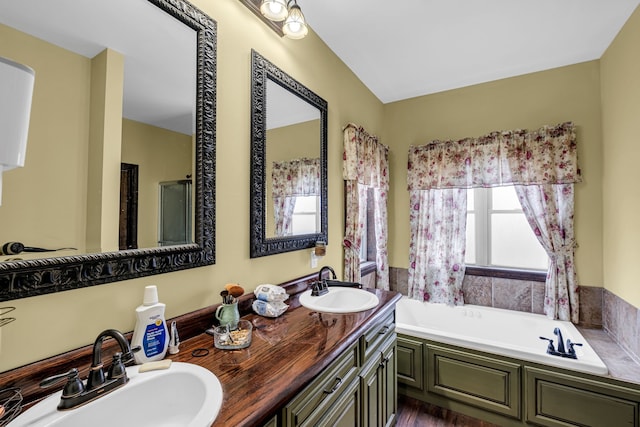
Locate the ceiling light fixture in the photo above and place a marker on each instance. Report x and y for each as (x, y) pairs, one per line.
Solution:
(295, 26)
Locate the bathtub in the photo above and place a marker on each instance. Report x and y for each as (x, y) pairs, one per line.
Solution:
(505, 332)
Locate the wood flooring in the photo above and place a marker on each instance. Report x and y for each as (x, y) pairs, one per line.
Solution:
(414, 413)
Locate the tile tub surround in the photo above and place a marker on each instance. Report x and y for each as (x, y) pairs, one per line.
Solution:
(621, 321)
(511, 294)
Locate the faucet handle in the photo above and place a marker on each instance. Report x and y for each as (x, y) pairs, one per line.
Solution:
(550, 348)
(74, 386)
(128, 356)
(117, 369)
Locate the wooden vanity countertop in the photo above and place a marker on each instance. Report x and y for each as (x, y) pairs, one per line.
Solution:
(286, 354)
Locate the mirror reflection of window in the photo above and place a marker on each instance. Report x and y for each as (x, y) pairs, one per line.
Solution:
(306, 217)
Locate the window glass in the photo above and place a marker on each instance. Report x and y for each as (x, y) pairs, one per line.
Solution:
(304, 219)
(498, 233)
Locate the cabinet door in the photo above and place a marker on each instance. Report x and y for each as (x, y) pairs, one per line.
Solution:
(388, 375)
(410, 365)
(345, 412)
(371, 393)
(379, 389)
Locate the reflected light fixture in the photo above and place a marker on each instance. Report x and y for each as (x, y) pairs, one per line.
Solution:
(295, 26)
(16, 91)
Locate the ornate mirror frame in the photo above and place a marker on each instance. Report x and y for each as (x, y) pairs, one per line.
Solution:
(21, 279)
(261, 70)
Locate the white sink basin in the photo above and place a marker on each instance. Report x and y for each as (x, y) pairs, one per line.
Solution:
(184, 395)
(340, 300)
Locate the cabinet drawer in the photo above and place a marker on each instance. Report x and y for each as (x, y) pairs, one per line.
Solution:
(410, 363)
(314, 400)
(475, 380)
(555, 399)
(376, 335)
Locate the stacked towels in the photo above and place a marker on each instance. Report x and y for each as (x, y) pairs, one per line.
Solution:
(269, 302)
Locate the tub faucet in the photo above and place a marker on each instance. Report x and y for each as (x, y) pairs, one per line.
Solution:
(562, 351)
(558, 333)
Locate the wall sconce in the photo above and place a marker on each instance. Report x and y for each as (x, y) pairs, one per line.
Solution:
(283, 16)
(16, 91)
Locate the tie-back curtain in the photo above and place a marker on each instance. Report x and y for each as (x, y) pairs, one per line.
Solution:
(298, 177)
(365, 165)
(545, 156)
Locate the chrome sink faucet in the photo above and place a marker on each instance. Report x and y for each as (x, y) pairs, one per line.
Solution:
(76, 393)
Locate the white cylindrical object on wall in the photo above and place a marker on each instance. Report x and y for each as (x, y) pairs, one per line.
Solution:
(16, 91)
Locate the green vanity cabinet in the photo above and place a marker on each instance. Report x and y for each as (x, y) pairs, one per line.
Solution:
(359, 388)
(512, 392)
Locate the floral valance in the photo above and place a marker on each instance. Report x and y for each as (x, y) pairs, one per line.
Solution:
(298, 177)
(365, 160)
(544, 156)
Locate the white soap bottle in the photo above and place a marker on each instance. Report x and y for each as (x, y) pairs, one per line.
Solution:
(150, 332)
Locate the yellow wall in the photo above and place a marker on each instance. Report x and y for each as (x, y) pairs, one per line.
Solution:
(162, 155)
(44, 203)
(620, 76)
(55, 323)
(51, 324)
(529, 101)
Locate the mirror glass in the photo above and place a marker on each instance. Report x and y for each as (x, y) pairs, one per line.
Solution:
(289, 175)
(119, 175)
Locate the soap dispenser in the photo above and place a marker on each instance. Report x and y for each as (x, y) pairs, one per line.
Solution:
(150, 332)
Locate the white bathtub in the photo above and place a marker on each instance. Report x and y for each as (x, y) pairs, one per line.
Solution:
(506, 332)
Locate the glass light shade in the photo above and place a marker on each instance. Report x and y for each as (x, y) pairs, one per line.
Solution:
(295, 26)
(275, 10)
(16, 91)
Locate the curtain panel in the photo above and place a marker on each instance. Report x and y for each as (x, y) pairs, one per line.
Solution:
(365, 165)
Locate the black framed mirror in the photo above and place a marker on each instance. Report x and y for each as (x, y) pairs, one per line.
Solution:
(32, 277)
(288, 130)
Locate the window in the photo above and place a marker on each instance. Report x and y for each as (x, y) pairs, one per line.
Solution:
(305, 219)
(498, 234)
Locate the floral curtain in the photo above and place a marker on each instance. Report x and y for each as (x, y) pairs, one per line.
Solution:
(549, 211)
(365, 165)
(290, 179)
(541, 164)
(438, 220)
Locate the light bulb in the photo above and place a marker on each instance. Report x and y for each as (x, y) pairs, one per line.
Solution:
(295, 26)
(275, 10)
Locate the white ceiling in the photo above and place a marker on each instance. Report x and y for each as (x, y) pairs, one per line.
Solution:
(406, 48)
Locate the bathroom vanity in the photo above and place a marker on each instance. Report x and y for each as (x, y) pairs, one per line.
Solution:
(301, 368)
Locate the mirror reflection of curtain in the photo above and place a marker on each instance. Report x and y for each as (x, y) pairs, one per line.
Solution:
(365, 165)
(291, 179)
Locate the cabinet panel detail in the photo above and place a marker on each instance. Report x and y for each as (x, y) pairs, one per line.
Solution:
(320, 394)
(475, 380)
(557, 400)
(410, 363)
(375, 336)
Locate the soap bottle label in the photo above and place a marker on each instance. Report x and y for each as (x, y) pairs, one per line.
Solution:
(154, 338)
